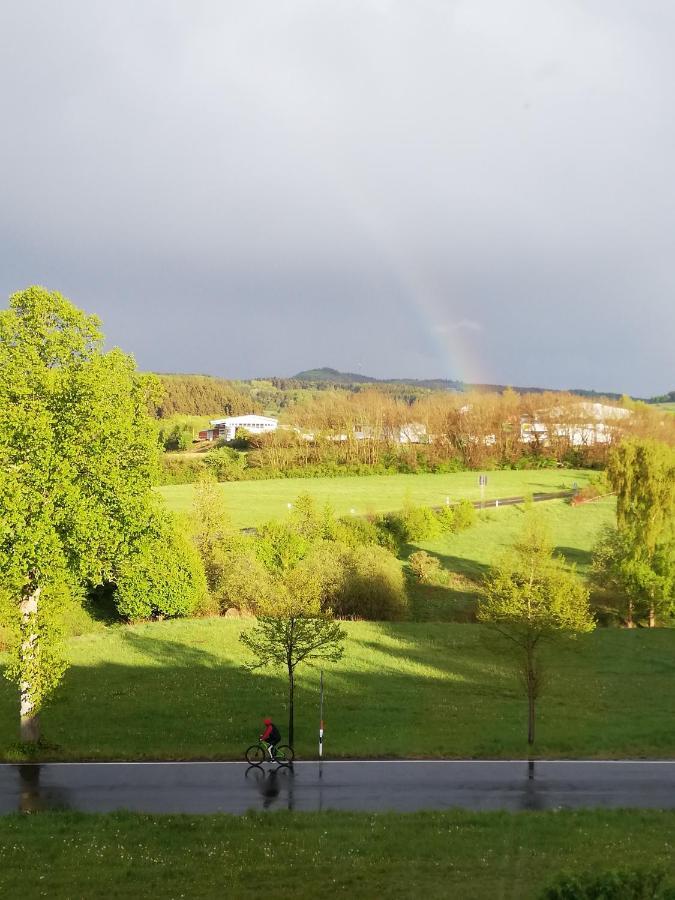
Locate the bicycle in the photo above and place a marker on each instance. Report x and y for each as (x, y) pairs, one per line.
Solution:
(259, 753)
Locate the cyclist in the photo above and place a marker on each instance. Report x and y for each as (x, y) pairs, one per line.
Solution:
(271, 736)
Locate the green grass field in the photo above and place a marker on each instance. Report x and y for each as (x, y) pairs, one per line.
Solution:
(573, 530)
(468, 856)
(253, 502)
(177, 690)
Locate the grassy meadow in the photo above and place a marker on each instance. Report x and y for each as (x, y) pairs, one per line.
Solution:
(177, 690)
(469, 554)
(305, 855)
(251, 503)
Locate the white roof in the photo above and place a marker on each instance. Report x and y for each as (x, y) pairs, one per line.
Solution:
(244, 420)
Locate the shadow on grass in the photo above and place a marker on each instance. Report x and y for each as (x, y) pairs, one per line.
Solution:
(402, 690)
(580, 558)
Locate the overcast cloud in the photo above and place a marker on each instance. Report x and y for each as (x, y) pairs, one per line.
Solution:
(479, 190)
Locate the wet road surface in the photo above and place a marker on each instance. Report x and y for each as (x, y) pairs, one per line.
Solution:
(402, 786)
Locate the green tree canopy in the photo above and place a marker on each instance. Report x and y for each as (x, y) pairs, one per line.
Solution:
(529, 600)
(640, 558)
(77, 459)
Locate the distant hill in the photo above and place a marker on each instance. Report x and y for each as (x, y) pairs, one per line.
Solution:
(333, 377)
(327, 376)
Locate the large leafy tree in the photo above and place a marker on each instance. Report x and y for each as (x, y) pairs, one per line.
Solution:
(77, 454)
(530, 601)
(639, 557)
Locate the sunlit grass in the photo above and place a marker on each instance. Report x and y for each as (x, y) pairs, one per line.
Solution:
(250, 503)
(573, 530)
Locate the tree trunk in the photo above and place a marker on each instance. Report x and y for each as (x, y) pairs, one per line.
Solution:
(291, 694)
(652, 616)
(28, 654)
(629, 614)
(530, 714)
(530, 676)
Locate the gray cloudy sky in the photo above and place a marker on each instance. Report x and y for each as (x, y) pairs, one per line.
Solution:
(480, 189)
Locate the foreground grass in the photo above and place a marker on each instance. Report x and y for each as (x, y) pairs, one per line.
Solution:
(464, 855)
(253, 502)
(177, 690)
(468, 555)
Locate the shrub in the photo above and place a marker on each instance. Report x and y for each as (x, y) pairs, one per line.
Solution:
(374, 587)
(629, 884)
(425, 567)
(178, 438)
(280, 547)
(446, 518)
(356, 531)
(414, 523)
(464, 515)
(177, 470)
(597, 486)
(226, 464)
(246, 584)
(164, 576)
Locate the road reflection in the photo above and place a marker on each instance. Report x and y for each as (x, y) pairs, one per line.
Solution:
(275, 786)
(35, 798)
(533, 798)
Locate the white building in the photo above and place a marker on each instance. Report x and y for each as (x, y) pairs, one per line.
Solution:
(595, 424)
(227, 428)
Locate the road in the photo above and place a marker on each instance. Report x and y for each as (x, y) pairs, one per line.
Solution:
(403, 786)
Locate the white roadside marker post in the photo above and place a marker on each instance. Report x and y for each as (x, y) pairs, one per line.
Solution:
(321, 718)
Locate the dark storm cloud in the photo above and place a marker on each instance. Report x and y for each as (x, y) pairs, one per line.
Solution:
(470, 189)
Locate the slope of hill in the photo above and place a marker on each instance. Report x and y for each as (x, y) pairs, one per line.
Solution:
(333, 376)
(326, 376)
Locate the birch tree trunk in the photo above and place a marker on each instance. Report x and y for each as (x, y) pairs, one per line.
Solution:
(29, 660)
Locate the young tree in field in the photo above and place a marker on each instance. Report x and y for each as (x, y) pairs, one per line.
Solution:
(640, 558)
(210, 525)
(77, 457)
(530, 601)
(298, 633)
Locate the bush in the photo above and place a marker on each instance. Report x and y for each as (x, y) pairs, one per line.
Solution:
(246, 584)
(597, 486)
(446, 519)
(177, 470)
(629, 884)
(425, 567)
(414, 523)
(164, 576)
(373, 587)
(464, 515)
(226, 464)
(356, 531)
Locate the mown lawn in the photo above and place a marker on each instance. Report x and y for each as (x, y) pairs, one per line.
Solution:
(177, 690)
(253, 502)
(469, 554)
(469, 856)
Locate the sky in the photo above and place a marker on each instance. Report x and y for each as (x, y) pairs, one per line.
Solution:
(467, 189)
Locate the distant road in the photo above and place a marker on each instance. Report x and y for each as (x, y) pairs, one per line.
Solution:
(513, 501)
(399, 785)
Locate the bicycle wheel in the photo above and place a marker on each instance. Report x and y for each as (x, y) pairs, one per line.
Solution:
(255, 755)
(284, 755)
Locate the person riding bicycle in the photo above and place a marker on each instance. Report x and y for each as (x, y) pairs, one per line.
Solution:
(271, 736)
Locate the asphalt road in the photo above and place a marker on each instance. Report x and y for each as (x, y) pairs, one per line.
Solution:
(403, 786)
